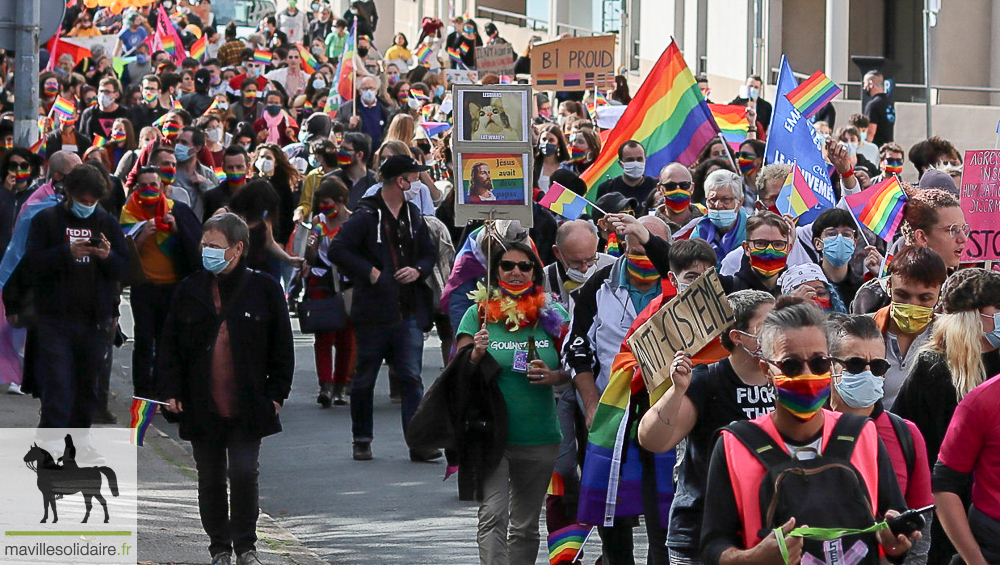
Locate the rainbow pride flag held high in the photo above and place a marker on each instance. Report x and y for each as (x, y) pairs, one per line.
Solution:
(668, 116)
(564, 544)
(63, 107)
(142, 413)
(309, 62)
(814, 93)
(879, 207)
(423, 53)
(796, 197)
(564, 202)
(198, 48)
(261, 56)
(732, 121)
(454, 55)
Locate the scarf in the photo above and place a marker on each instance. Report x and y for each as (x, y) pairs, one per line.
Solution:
(640, 269)
(730, 240)
(273, 133)
(134, 212)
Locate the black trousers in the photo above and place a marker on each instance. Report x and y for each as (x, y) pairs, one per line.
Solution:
(150, 304)
(230, 521)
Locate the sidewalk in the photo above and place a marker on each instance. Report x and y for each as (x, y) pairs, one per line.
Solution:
(170, 531)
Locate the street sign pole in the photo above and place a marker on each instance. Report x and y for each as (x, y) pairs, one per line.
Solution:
(27, 29)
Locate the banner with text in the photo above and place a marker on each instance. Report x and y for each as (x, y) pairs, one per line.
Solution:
(980, 197)
(574, 63)
(689, 322)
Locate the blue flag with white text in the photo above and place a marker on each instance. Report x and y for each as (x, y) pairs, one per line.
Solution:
(790, 138)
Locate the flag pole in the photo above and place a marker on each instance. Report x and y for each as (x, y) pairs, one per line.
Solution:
(728, 152)
(354, 68)
(579, 552)
(151, 401)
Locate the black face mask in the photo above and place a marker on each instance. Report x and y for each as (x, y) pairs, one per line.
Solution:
(362, 52)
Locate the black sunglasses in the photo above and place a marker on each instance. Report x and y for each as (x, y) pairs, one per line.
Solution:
(857, 365)
(793, 366)
(523, 266)
(671, 186)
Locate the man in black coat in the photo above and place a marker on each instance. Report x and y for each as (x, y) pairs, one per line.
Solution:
(386, 249)
(225, 365)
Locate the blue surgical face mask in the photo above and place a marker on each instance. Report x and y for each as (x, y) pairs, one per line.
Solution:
(439, 91)
(722, 218)
(993, 337)
(838, 250)
(182, 152)
(860, 390)
(141, 58)
(214, 260)
(81, 211)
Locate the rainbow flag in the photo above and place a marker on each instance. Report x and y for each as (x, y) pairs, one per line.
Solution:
(99, 141)
(38, 148)
(879, 207)
(198, 48)
(812, 94)
(732, 121)
(345, 69)
(426, 112)
(309, 62)
(668, 116)
(142, 412)
(796, 197)
(64, 107)
(564, 202)
(464, 48)
(261, 56)
(220, 175)
(434, 128)
(454, 55)
(178, 105)
(423, 53)
(595, 101)
(546, 79)
(169, 45)
(564, 544)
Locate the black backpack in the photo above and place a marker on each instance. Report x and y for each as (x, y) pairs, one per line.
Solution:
(824, 492)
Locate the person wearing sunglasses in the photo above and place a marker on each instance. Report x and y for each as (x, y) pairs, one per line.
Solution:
(807, 281)
(702, 401)
(858, 384)
(738, 526)
(512, 334)
(672, 198)
(633, 182)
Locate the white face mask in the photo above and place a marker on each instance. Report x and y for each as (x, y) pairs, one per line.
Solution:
(414, 191)
(634, 169)
(368, 96)
(265, 165)
(222, 106)
(413, 103)
(214, 135)
(105, 100)
(319, 83)
(579, 276)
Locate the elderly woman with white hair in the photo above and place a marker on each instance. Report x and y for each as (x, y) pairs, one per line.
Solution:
(808, 281)
(724, 226)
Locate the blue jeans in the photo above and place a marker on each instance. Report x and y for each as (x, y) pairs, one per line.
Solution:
(402, 345)
(68, 359)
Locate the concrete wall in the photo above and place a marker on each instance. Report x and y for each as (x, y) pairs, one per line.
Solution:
(960, 62)
(803, 32)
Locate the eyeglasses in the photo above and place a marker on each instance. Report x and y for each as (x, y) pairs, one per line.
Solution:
(523, 266)
(955, 229)
(762, 244)
(148, 185)
(672, 186)
(793, 366)
(582, 265)
(20, 166)
(834, 232)
(857, 365)
(725, 201)
(894, 162)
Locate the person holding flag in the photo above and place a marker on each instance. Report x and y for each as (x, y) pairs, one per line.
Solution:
(67, 137)
(366, 113)
(291, 77)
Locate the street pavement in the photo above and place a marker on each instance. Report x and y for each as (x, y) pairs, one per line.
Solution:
(318, 504)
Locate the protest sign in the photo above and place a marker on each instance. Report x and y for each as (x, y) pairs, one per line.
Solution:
(492, 115)
(461, 76)
(574, 63)
(689, 322)
(980, 197)
(493, 178)
(497, 59)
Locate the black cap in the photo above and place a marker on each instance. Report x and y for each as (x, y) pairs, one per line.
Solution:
(491, 28)
(614, 202)
(399, 165)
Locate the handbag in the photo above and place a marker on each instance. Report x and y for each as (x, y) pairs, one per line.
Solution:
(326, 314)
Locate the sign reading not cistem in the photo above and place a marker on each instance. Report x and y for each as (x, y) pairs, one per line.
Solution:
(689, 322)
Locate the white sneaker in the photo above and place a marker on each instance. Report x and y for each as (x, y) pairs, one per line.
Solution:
(14, 388)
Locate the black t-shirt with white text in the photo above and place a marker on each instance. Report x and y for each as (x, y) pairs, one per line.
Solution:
(720, 398)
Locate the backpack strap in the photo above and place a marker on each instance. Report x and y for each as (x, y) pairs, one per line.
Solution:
(905, 438)
(758, 442)
(844, 436)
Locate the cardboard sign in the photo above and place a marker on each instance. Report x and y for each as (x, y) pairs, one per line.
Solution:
(497, 59)
(980, 197)
(689, 322)
(461, 76)
(574, 63)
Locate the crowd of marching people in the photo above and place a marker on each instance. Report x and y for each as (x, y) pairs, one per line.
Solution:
(221, 186)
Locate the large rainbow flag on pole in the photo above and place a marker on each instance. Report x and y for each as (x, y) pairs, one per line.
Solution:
(732, 121)
(345, 69)
(668, 116)
(879, 207)
(814, 93)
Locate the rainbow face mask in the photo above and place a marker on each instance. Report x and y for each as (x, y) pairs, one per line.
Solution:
(768, 261)
(677, 200)
(641, 269)
(804, 395)
(747, 166)
(149, 195)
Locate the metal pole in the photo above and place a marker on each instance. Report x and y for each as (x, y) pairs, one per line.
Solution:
(927, 64)
(29, 17)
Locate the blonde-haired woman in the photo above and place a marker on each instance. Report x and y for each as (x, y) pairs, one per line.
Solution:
(960, 355)
(400, 129)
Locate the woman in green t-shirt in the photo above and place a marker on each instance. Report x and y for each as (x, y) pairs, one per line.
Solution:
(517, 322)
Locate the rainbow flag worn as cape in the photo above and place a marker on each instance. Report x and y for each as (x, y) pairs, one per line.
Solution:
(668, 116)
(879, 207)
(133, 213)
(564, 202)
(309, 62)
(142, 413)
(732, 121)
(795, 198)
(814, 93)
(198, 48)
